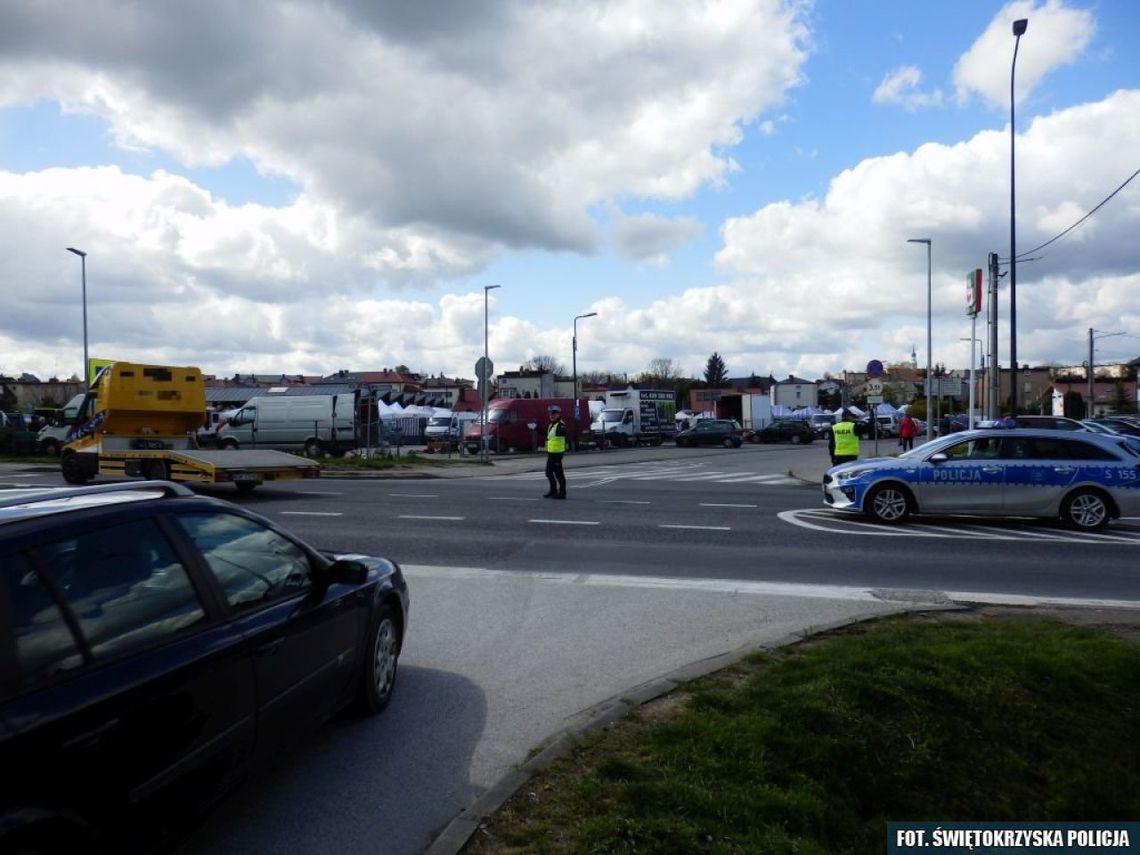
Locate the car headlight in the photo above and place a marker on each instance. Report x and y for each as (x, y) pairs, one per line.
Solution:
(852, 473)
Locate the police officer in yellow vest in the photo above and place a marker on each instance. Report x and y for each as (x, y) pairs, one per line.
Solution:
(555, 448)
(842, 442)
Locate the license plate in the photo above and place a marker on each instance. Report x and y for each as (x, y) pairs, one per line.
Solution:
(245, 476)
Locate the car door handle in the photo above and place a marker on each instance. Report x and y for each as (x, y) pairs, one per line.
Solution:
(91, 738)
(990, 470)
(269, 647)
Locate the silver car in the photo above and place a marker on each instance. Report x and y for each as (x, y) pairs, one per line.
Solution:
(1083, 479)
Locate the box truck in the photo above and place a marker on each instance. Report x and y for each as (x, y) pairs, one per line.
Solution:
(311, 424)
(509, 423)
(635, 416)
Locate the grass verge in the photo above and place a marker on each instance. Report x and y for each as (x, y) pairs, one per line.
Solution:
(813, 748)
(393, 460)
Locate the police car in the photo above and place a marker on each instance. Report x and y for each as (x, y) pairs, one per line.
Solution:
(1083, 479)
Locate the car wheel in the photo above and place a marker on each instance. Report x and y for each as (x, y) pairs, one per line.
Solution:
(312, 448)
(887, 503)
(156, 470)
(378, 669)
(728, 443)
(73, 470)
(1086, 510)
(229, 445)
(51, 447)
(796, 439)
(245, 486)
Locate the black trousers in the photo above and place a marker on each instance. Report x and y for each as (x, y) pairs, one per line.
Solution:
(555, 475)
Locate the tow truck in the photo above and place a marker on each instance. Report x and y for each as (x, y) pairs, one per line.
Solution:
(141, 421)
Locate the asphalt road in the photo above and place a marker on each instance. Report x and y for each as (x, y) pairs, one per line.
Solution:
(527, 612)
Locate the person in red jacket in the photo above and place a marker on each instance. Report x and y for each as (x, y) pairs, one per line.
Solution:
(908, 430)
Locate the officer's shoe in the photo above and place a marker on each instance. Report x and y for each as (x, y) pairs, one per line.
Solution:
(550, 495)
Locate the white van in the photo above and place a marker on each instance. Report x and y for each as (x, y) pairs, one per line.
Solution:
(444, 426)
(309, 423)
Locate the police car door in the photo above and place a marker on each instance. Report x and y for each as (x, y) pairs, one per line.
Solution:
(970, 480)
(1041, 469)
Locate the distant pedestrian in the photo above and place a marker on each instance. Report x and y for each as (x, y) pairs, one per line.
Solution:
(555, 448)
(1008, 421)
(842, 443)
(908, 430)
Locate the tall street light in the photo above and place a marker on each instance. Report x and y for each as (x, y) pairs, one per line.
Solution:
(485, 372)
(575, 361)
(1018, 30)
(929, 346)
(83, 262)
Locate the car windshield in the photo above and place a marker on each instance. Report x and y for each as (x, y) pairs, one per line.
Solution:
(497, 415)
(611, 415)
(439, 421)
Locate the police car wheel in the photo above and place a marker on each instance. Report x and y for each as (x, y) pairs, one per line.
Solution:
(887, 503)
(1086, 510)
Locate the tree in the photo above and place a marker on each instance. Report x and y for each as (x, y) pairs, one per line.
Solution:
(716, 375)
(545, 363)
(661, 370)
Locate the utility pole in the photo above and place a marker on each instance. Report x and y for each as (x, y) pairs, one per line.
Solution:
(995, 371)
(1089, 400)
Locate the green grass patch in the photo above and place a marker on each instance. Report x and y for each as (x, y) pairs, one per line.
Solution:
(393, 460)
(813, 748)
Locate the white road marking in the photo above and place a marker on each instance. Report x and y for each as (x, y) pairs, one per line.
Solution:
(698, 527)
(309, 514)
(415, 495)
(427, 517)
(763, 589)
(725, 505)
(621, 502)
(565, 522)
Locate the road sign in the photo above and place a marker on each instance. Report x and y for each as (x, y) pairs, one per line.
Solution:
(973, 292)
(875, 387)
(874, 399)
(484, 369)
(874, 368)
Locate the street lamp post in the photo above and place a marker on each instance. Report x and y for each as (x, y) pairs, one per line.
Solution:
(929, 345)
(1019, 27)
(83, 267)
(574, 359)
(485, 378)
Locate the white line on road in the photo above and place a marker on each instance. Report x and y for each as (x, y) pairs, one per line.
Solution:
(621, 502)
(698, 527)
(732, 586)
(415, 495)
(725, 505)
(565, 522)
(427, 517)
(309, 514)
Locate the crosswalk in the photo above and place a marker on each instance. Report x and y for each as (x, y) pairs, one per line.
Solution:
(596, 476)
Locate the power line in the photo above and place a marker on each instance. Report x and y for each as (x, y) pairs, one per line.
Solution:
(1022, 256)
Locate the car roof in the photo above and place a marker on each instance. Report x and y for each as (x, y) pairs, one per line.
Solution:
(24, 504)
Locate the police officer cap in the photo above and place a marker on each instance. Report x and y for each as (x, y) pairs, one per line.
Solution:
(554, 408)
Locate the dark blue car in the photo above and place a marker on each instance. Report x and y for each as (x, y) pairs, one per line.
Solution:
(154, 644)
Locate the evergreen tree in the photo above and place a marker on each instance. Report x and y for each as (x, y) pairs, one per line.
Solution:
(716, 375)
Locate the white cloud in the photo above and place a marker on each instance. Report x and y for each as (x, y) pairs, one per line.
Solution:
(1057, 35)
(650, 238)
(899, 87)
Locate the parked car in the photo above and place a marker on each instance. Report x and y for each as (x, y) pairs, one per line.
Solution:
(1120, 424)
(888, 426)
(821, 423)
(1081, 478)
(794, 431)
(726, 432)
(1049, 423)
(156, 644)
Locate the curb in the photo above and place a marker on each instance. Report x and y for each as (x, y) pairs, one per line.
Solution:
(456, 834)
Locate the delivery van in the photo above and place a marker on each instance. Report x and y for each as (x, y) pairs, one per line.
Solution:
(445, 432)
(313, 424)
(509, 423)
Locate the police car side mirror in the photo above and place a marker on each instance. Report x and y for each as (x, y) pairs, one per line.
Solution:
(938, 458)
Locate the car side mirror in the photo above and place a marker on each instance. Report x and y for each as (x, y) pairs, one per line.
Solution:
(345, 571)
(938, 458)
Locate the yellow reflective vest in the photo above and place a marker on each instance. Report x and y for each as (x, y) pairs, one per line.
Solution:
(555, 442)
(846, 443)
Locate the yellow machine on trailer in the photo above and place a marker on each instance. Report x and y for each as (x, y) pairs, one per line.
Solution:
(141, 421)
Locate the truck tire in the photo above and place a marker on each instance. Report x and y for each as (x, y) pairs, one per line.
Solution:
(50, 447)
(156, 470)
(228, 444)
(73, 469)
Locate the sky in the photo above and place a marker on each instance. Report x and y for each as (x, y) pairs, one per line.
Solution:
(304, 186)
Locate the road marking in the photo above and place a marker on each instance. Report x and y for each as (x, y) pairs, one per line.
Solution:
(698, 527)
(764, 589)
(427, 517)
(415, 495)
(565, 522)
(511, 499)
(621, 502)
(725, 505)
(309, 514)
(839, 522)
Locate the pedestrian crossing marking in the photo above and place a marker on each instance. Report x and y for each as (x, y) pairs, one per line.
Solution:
(596, 476)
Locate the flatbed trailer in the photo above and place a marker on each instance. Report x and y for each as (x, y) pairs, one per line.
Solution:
(245, 469)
